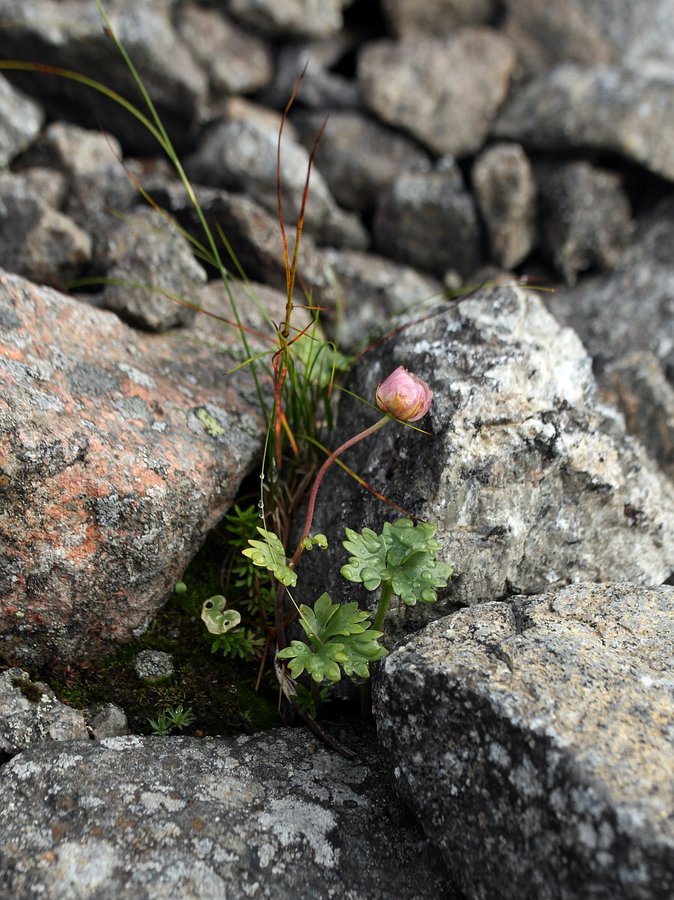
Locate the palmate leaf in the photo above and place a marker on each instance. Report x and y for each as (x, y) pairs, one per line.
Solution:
(269, 554)
(321, 663)
(328, 619)
(340, 637)
(403, 554)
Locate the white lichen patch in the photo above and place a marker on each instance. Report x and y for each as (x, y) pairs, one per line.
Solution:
(293, 822)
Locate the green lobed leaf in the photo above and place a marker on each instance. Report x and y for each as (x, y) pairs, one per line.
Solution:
(403, 554)
(269, 554)
(341, 636)
(328, 619)
(219, 620)
(321, 663)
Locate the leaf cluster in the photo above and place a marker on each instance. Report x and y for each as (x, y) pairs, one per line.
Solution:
(404, 556)
(340, 639)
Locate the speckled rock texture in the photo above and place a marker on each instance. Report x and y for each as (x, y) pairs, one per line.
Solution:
(444, 90)
(150, 266)
(276, 815)
(70, 34)
(547, 32)
(604, 108)
(20, 121)
(534, 738)
(241, 154)
(31, 714)
(530, 480)
(584, 217)
(118, 452)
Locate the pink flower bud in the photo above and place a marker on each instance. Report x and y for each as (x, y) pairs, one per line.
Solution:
(404, 396)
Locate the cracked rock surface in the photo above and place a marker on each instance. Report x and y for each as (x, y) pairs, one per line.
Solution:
(277, 815)
(534, 738)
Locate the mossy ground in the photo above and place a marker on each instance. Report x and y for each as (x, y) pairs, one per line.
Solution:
(220, 692)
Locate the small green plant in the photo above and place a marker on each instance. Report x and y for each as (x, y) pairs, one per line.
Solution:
(340, 637)
(177, 717)
(293, 376)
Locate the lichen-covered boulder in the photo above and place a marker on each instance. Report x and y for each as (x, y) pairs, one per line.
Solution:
(276, 815)
(530, 480)
(118, 452)
(534, 739)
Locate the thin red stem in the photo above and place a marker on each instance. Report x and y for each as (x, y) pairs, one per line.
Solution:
(321, 474)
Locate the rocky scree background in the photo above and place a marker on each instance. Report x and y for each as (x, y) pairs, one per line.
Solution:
(467, 139)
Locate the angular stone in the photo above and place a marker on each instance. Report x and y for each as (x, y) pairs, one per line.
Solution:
(253, 233)
(638, 387)
(106, 720)
(321, 87)
(20, 121)
(241, 155)
(71, 34)
(534, 738)
(357, 156)
(100, 184)
(31, 714)
(300, 18)
(236, 60)
(524, 472)
(506, 194)
(603, 108)
(277, 816)
(584, 215)
(429, 221)
(630, 309)
(152, 263)
(445, 91)
(118, 453)
(603, 31)
(37, 240)
(410, 17)
(361, 293)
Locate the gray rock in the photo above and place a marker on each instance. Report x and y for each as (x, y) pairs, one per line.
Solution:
(429, 221)
(309, 18)
(250, 229)
(584, 215)
(638, 387)
(153, 665)
(361, 294)
(150, 266)
(71, 34)
(524, 473)
(506, 194)
(99, 183)
(590, 33)
(276, 815)
(321, 87)
(410, 17)
(20, 121)
(37, 240)
(632, 308)
(358, 157)
(535, 742)
(120, 451)
(445, 91)
(236, 60)
(30, 714)
(241, 155)
(106, 720)
(603, 108)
